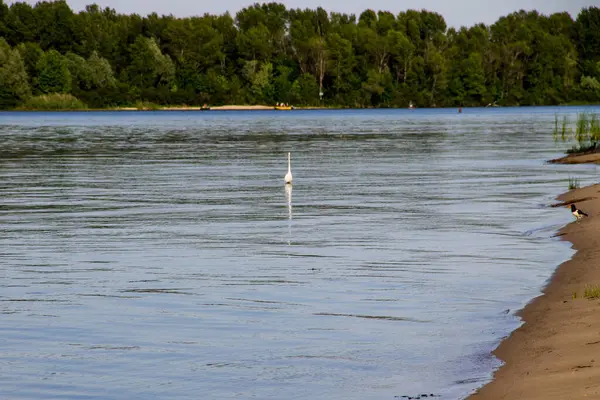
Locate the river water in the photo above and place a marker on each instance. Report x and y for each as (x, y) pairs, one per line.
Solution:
(160, 255)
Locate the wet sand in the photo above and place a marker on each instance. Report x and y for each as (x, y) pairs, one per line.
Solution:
(591, 158)
(555, 354)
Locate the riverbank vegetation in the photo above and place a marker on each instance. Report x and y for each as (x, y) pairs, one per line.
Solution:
(53, 102)
(573, 183)
(585, 135)
(592, 292)
(267, 53)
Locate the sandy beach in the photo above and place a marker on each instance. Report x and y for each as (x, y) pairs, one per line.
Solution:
(555, 354)
(197, 108)
(240, 108)
(586, 158)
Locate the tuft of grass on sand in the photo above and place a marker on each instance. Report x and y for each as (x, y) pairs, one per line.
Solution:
(573, 183)
(592, 292)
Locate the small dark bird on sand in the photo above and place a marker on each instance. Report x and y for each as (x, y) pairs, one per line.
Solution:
(577, 212)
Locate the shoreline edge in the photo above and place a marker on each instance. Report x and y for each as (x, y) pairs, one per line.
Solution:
(555, 353)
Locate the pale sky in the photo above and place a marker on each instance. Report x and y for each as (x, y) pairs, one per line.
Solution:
(455, 12)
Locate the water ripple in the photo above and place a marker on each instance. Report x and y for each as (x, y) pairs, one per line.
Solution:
(158, 254)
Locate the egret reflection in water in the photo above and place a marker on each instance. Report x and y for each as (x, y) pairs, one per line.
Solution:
(288, 197)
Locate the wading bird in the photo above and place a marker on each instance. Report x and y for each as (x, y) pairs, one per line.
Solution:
(577, 212)
(288, 176)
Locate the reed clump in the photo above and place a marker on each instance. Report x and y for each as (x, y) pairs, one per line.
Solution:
(592, 292)
(585, 134)
(573, 183)
(53, 102)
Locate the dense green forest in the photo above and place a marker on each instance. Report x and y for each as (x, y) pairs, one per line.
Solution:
(268, 53)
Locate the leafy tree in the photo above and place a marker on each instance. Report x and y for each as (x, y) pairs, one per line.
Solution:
(13, 76)
(79, 70)
(95, 29)
(31, 54)
(590, 83)
(267, 53)
(282, 85)
(194, 43)
(55, 25)
(254, 44)
(341, 64)
(4, 11)
(401, 54)
(217, 86)
(91, 74)
(319, 56)
(101, 74)
(474, 79)
(587, 38)
(305, 90)
(53, 74)
(149, 66)
(267, 21)
(375, 87)
(260, 78)
(302, 29)
(437, 68)
(21, 24)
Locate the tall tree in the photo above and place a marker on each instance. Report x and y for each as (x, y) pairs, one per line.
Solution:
(267, 53)
(53, 74)
(101, 73)
(4, 12)
(587, 40)
(149, 66)
(14, 82)
(31, 54)
(55, 21)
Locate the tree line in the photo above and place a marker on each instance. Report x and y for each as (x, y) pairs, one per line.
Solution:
(268, 54)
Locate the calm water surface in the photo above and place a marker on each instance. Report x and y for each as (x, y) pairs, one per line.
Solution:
(159, 255)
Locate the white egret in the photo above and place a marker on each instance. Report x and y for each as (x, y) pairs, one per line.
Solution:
(288, 176)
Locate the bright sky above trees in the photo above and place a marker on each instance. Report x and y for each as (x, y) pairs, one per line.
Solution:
(455, 12)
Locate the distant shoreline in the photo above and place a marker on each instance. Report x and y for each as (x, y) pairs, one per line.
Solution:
(174, 108)
(237, 107)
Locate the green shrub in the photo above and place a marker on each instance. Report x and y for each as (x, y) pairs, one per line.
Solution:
(53, 101)
(573, 183)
